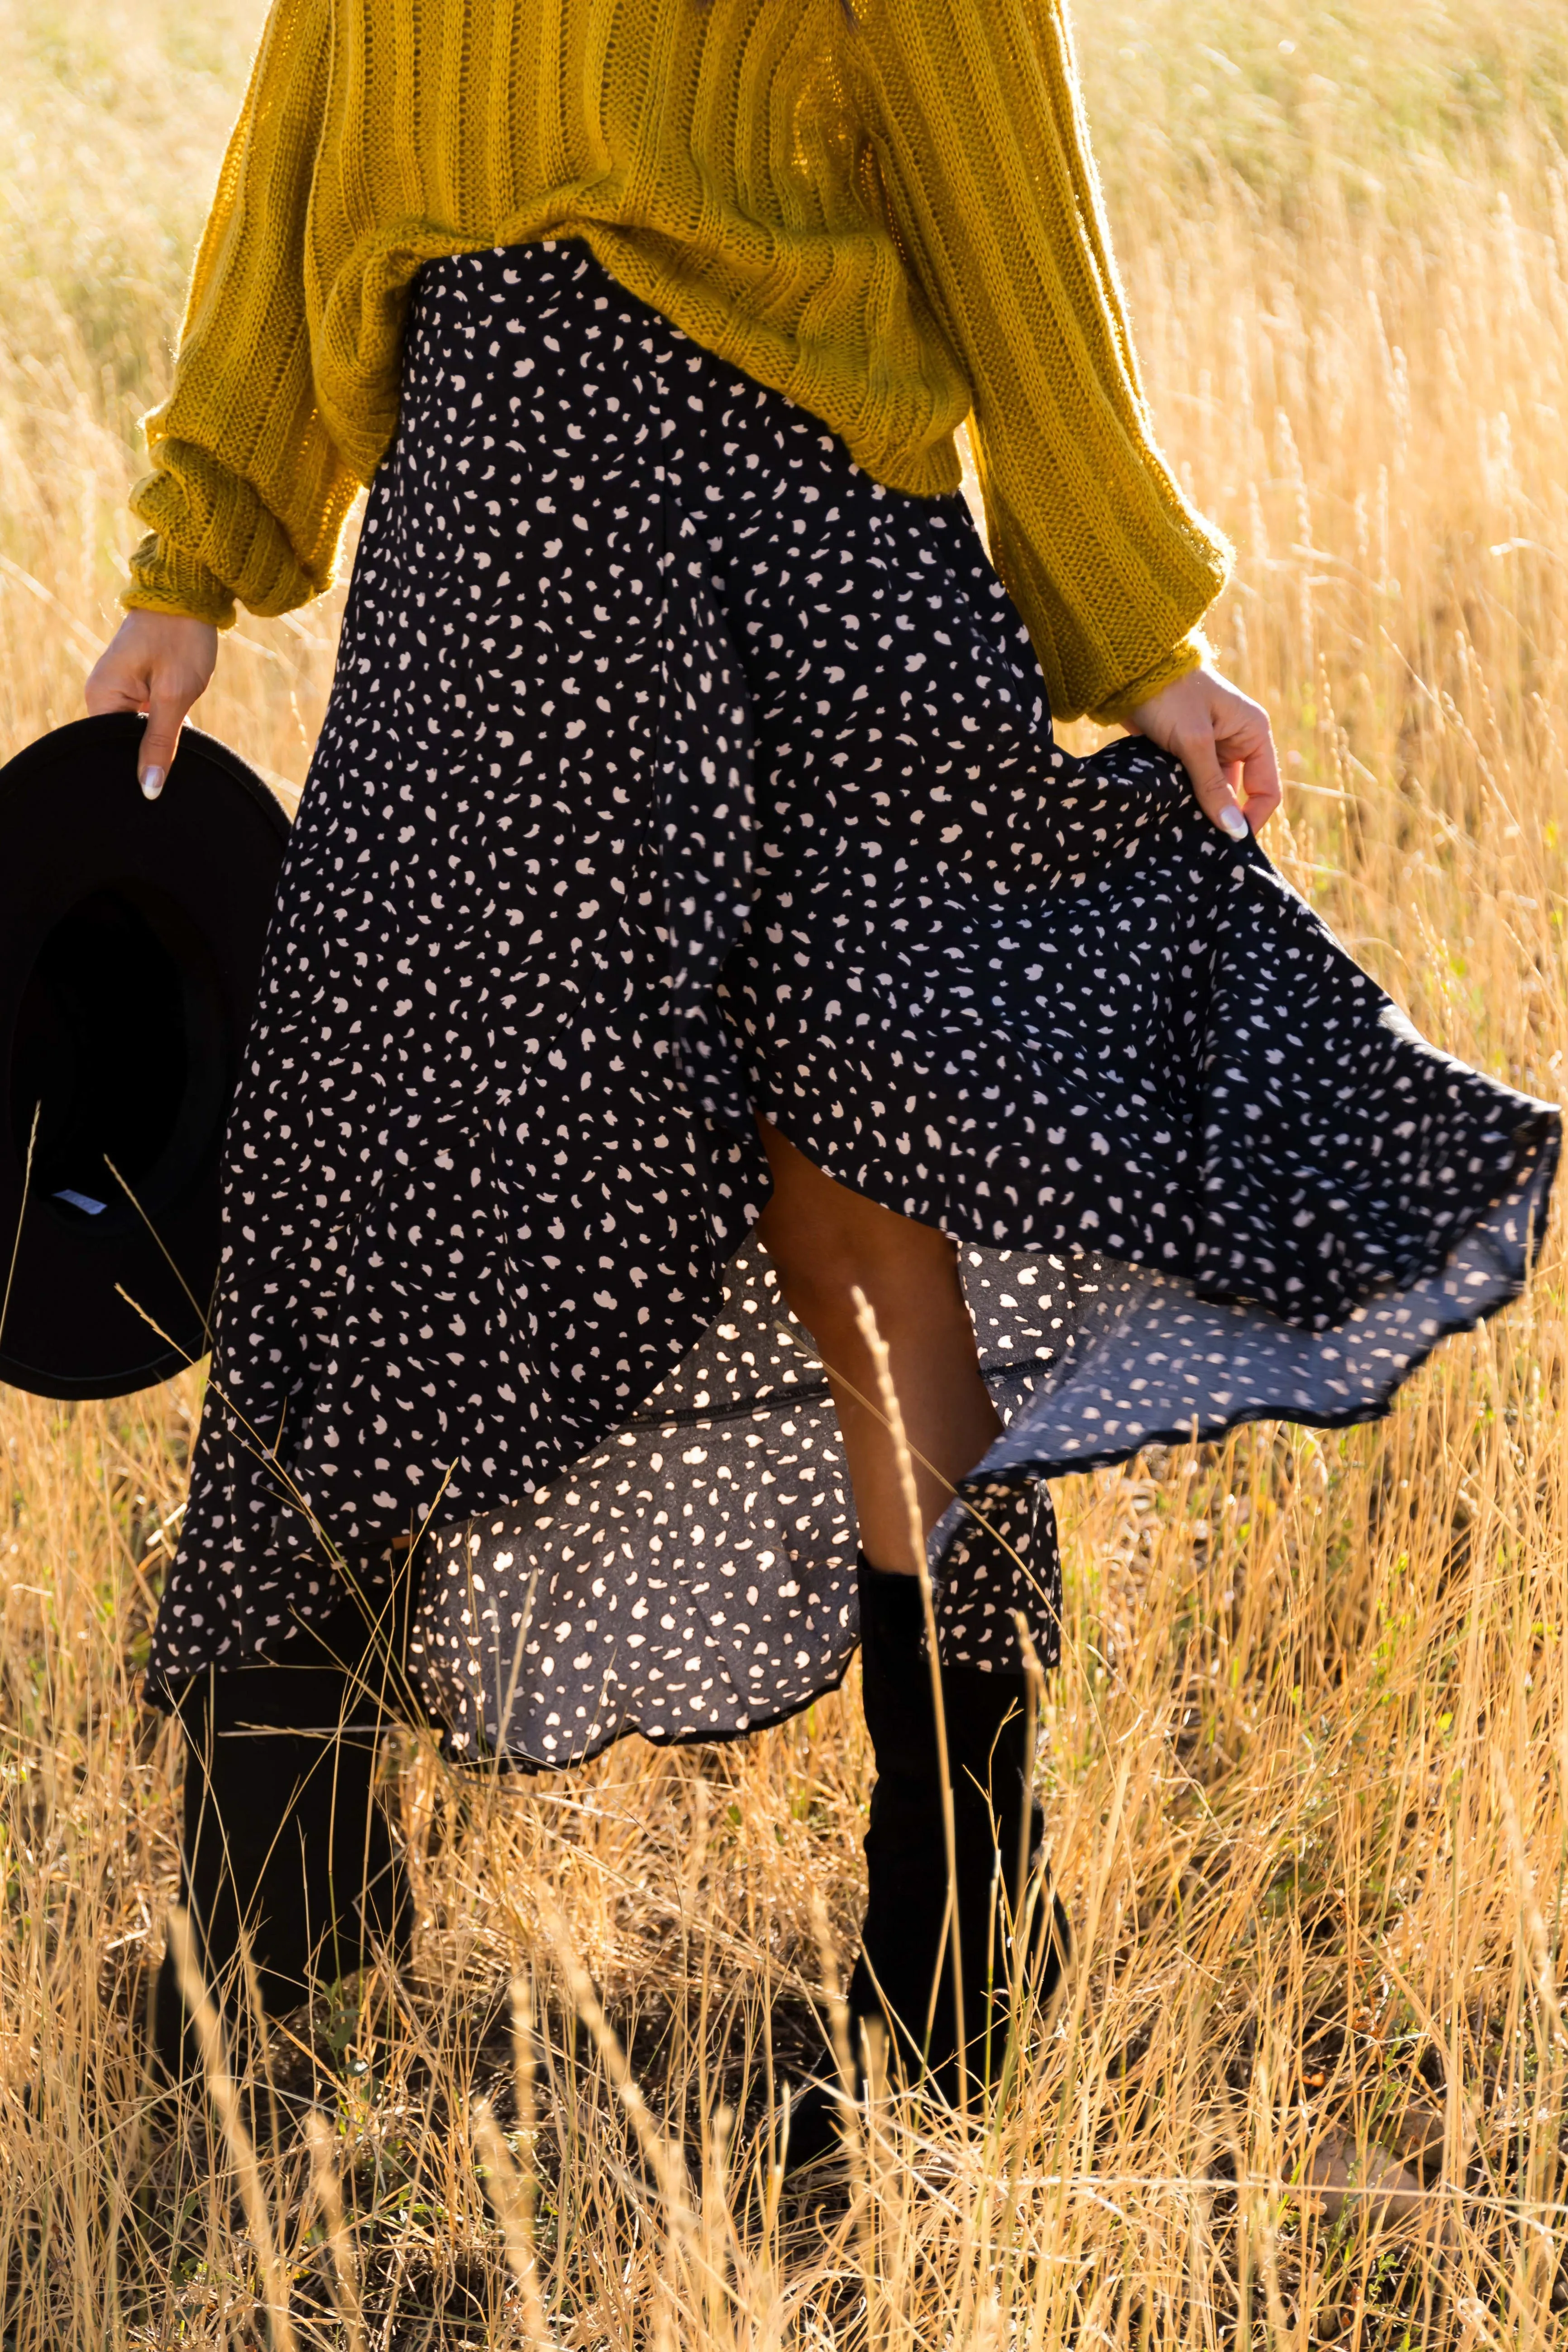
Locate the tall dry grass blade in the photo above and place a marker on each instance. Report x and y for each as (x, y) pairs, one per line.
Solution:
(1034, 1693)
(511, 2193)
(525, 2071)
(163, 1248)
(21, 1215)
(837, 2007)
(328, 2195)
(1028, 1892)
(225, 2101)
(840, 2025)
(866, 1318)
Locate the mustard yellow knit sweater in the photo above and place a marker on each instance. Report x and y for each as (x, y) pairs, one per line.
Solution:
(886, 209)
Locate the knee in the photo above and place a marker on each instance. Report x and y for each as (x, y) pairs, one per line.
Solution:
(903, 1274)
(826, 1242)
(818, 1277)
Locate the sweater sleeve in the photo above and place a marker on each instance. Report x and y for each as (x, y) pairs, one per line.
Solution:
(985, 157)
(246, 497)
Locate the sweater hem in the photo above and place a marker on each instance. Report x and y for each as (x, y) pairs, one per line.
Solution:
(922, 462)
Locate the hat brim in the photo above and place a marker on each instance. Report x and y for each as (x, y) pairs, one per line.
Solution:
(132, 934)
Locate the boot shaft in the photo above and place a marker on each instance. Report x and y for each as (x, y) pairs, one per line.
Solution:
(905, 1971)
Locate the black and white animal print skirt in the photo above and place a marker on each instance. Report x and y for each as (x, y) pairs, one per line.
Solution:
(676, 771)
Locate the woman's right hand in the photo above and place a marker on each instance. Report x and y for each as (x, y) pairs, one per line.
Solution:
(159, 663)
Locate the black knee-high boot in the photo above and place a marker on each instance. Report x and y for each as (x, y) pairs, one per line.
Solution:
(284, 1839)
(904, 1974)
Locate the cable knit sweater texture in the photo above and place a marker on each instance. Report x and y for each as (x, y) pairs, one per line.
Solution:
(887, 211)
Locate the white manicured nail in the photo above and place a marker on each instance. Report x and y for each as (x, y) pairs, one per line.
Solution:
(1235, 823)
(152, 782)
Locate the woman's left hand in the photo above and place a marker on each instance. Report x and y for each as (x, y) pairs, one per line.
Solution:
(1224, 740)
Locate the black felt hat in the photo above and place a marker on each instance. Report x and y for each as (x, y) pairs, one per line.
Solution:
(131, 941)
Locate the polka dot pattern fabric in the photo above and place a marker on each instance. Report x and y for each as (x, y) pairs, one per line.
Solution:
(676, 771)
(694, 1577)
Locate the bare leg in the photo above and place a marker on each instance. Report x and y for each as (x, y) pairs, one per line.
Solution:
(826, 1241)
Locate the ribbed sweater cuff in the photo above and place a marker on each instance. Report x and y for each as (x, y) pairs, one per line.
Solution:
(1180, 662)
(163, 579)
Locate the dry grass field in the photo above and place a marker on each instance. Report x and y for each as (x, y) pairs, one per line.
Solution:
(1305, 1763)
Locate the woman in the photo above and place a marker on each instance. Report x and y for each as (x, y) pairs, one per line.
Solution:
(688, 896)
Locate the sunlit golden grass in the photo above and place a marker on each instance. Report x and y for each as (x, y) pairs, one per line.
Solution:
(1305, 1761)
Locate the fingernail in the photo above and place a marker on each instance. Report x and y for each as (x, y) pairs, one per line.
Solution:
(1235, 823)
(152, 782)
